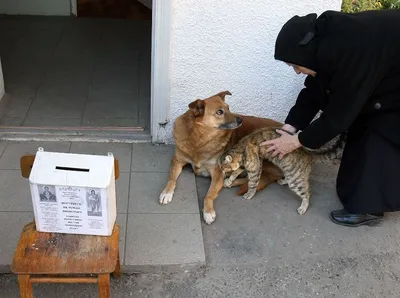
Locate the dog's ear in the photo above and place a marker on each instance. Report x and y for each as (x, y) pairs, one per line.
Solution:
(223, 94)
(228, 159)
(197, 107)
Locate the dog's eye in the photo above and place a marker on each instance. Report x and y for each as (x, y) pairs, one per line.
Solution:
(220, 112)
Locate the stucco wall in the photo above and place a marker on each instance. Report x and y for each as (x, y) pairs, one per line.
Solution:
(229, 45)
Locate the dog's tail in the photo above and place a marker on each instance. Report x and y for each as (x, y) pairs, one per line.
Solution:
(331, 153)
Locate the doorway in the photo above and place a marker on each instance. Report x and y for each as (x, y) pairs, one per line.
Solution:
(90, 72)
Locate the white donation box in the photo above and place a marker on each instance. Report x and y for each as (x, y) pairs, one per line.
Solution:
(73, 193)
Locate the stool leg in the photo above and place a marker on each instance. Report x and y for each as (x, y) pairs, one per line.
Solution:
(117, 271)
(104, 285)
(25, 287)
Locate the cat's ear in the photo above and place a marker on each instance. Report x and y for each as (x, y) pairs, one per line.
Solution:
(228, 159)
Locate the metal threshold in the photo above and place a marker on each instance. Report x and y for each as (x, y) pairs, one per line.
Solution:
(77, 134)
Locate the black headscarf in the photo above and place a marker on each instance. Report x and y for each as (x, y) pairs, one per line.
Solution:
(297, 42)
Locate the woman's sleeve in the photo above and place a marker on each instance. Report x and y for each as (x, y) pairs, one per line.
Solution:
(307, 105)
(356, 78)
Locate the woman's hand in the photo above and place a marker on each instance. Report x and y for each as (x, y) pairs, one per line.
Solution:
(289, 128)
(283, 145)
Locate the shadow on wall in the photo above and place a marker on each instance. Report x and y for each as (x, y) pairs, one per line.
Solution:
(117, 9)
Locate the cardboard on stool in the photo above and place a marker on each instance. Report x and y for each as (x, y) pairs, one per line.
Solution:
(73, 193)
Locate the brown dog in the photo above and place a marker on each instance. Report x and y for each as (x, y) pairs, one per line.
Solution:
(201, 135)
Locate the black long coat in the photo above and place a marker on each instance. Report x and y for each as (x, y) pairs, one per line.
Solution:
(357, 86)
(357, 60)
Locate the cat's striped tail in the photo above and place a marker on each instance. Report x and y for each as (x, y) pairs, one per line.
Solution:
(333, 152)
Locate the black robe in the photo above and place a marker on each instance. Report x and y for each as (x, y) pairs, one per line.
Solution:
(357, 86)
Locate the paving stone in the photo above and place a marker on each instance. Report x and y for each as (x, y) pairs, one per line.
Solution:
(163, 242)
(10, 160)
(11, 224)
(122, 190)
(114, 122)
(121, 220)
(151, 158)
(52, 122)
(15, 192)
(5, 121)
(19, 105)
(3, 145)
(146, 188)
(49, 104)
(111, 103)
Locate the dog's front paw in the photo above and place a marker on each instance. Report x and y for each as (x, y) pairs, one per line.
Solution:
(227, 183)
(166, 197)
(209, 217)
(249, 195)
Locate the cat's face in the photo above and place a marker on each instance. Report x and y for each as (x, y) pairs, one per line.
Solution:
(229, 163)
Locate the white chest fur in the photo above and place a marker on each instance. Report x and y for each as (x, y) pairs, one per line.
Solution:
(203, 167)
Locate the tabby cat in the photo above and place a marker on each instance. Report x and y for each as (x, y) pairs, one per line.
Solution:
(248, 155)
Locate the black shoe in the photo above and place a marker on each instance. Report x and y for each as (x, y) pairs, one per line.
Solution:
(344, 218)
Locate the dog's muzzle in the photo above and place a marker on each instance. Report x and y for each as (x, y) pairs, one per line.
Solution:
(232, 125)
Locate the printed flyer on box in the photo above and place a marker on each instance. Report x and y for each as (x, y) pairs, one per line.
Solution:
(71, 209)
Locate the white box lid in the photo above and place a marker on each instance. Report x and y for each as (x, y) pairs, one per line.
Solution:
(81, 170)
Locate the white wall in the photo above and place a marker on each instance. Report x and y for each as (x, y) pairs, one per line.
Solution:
(229, 45)
(35, 7)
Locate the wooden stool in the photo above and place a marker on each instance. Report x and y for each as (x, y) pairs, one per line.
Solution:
(64, 258)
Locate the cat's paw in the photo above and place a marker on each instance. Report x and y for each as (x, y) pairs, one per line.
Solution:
(228, 183)
(282, 182)
(302, 209)
(248, 195)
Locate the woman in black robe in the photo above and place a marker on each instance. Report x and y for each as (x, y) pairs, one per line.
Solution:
(353, 67)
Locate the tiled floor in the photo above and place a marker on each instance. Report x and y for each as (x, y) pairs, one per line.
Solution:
(153, 237)
(63, 71)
